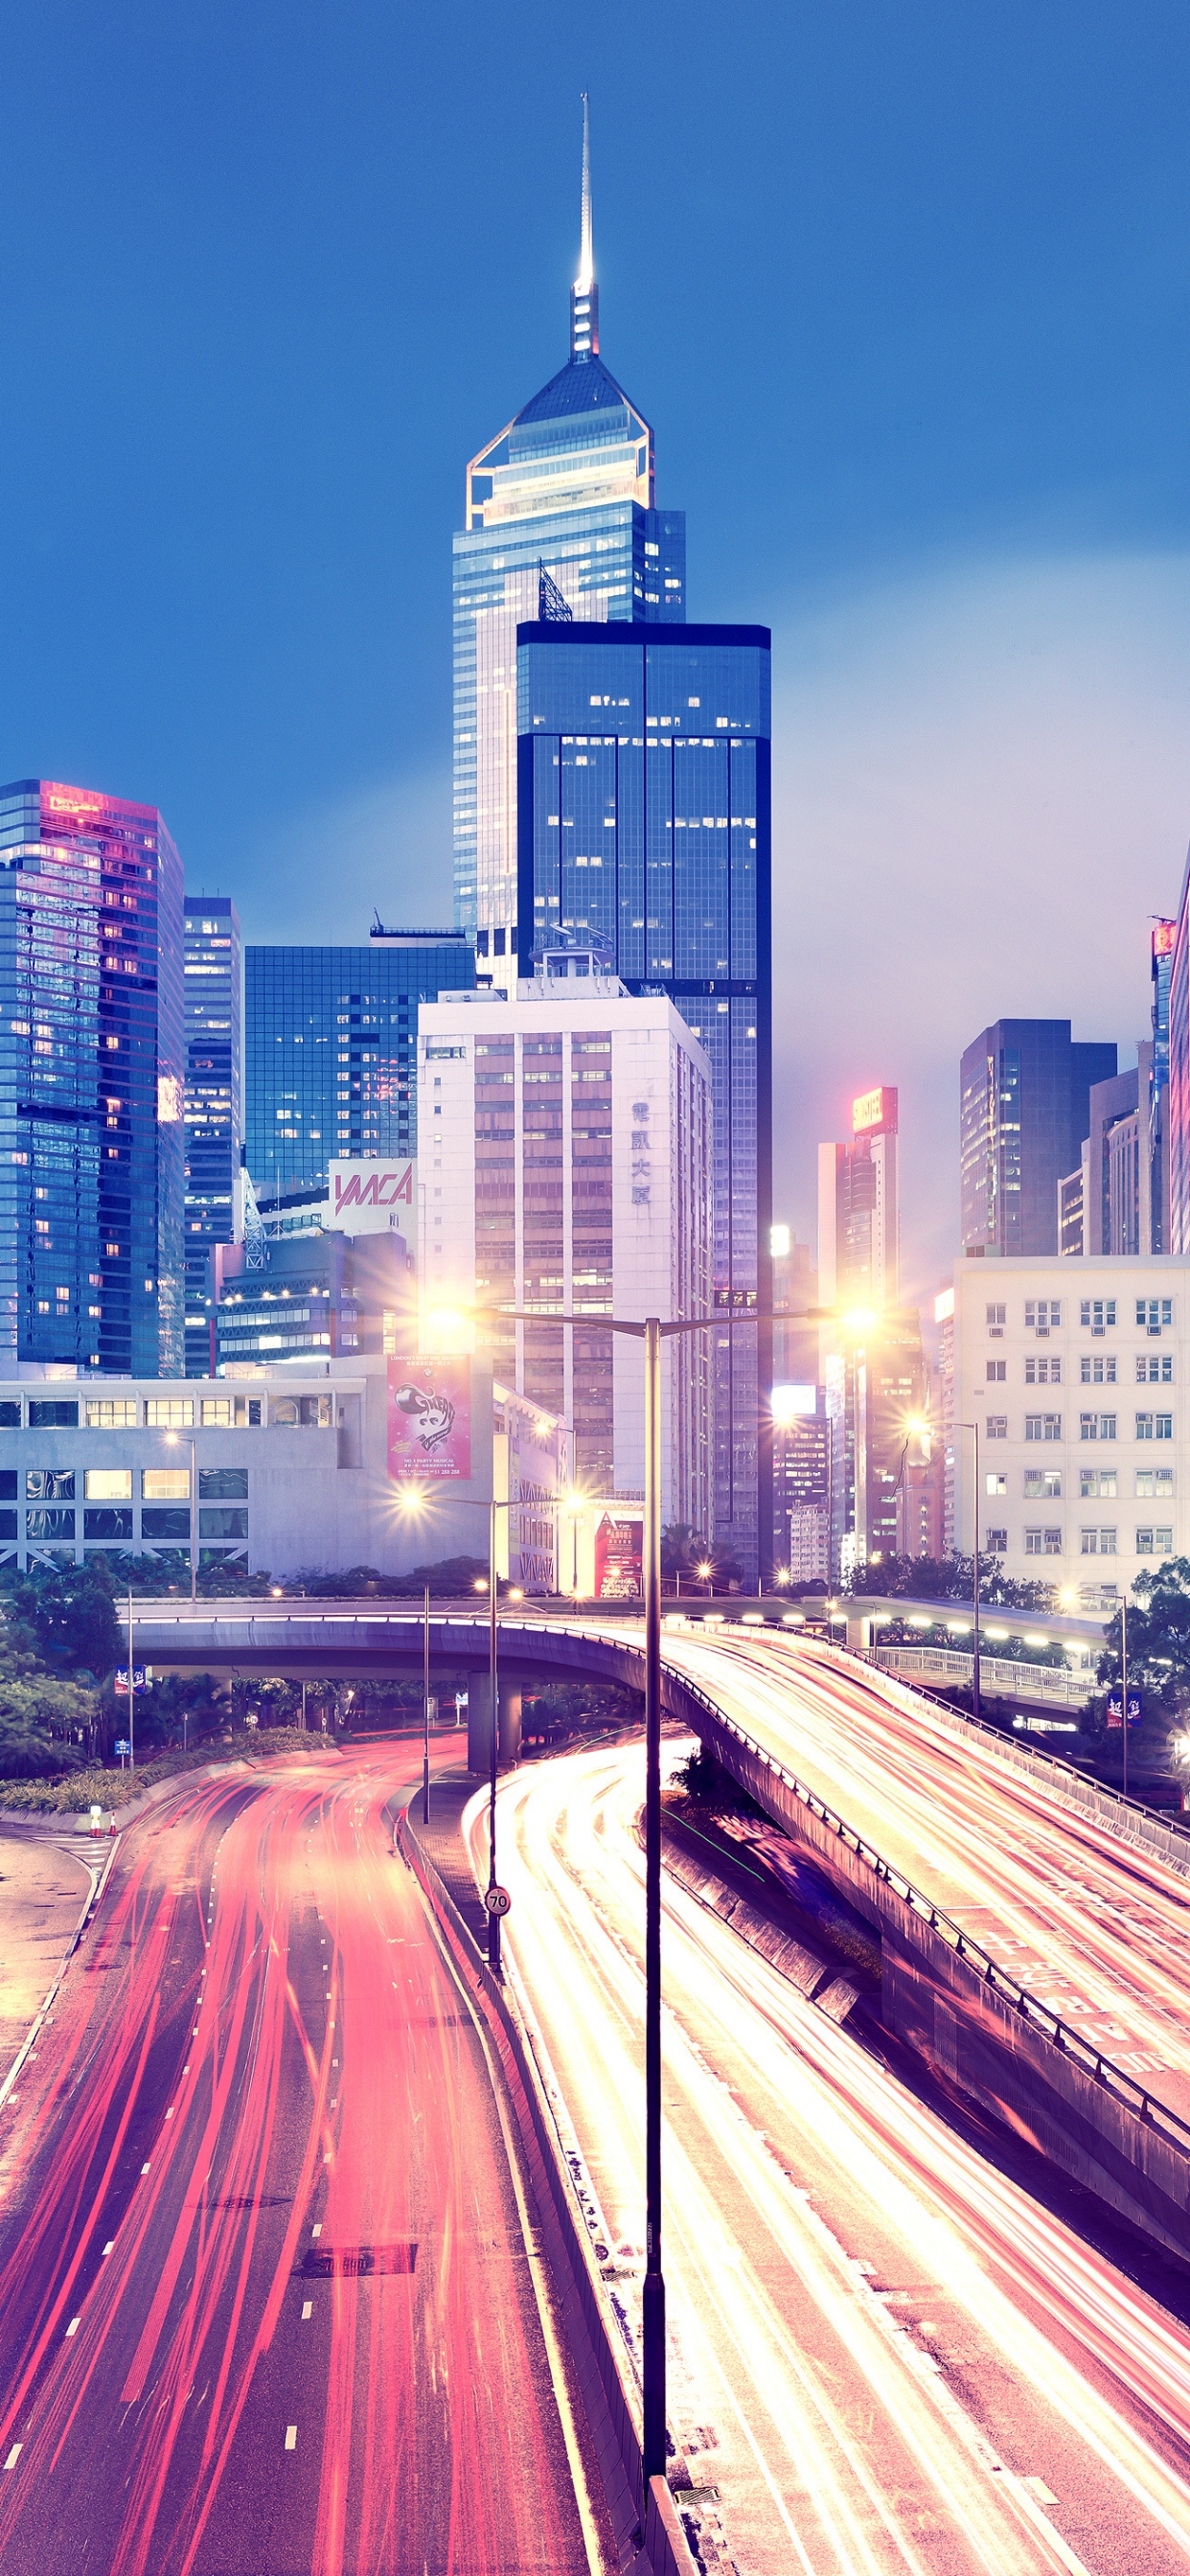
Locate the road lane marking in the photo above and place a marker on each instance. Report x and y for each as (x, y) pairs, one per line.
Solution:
(144, 2169)
(317, 2231)
(291, 2437)
(108, 2248)
(73, 2327)
(1038, 2487)
(14, 2455)
(307, 2309)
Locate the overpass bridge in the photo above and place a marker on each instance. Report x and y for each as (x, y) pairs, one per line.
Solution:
(999, 1881)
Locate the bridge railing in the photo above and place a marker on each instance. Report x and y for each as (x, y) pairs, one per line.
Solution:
(998, 1673)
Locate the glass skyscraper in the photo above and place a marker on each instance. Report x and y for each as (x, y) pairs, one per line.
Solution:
(214, 1104)
(91, 1083)
(1025, 1110)
(644, 829)
(330, 1045)
(560, 521)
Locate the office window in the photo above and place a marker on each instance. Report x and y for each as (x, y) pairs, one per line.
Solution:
(169, 1412)
(49, 1484)
(165, 1521)
(223, 1524)
(1043, 1426)
(996, 1318)
(1042, 1314)
(42, 1527)
(218, 1412)
(1155, 1483)
(1043, 1372)
(1097, 1426)
(1153, 1312)
(996, 1542)
(1097, 1542)
(997, 1426)
(47, 1413)
(107, 1484)
(1097, 1370)
(1154, 1368)
(223, 1484)
(1042, 1484)
(165, 1484)
(1097, 1484)
(997, 1372)
(1097, 1312)
(114, 1523)
(1157, 1541)
(112, 1413)
(1154, 1426)
(995, 1484)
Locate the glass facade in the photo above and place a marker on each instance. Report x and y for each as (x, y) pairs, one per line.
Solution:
(214, 1104)
(1025, 1111)
(644, 826)
(330, 1040)
(560, 509)
(92, 1157)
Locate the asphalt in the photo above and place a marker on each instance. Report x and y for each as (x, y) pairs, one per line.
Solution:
(266, 2299)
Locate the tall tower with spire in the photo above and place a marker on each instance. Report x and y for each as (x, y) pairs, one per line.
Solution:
(560, 521)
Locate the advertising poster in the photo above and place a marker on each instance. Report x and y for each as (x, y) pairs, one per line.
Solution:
(618, 1557)
(373, 1197)
(429, 1418)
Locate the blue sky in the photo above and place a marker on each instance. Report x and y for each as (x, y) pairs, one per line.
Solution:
(905, 292)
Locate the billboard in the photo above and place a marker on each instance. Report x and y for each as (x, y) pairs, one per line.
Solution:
(619, 1556)
(374, 1197)
(429, 1418)
(875, 1109)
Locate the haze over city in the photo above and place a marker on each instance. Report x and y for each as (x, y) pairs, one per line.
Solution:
(594, 1291)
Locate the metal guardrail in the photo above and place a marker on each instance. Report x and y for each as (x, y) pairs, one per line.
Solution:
(1023, 1681)
(1102, 2069)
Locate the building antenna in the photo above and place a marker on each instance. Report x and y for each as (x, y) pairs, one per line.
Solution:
(584, 294)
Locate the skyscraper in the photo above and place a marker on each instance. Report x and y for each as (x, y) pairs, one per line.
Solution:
(214, 1104)
(330, 1047)
(643, 807)
(91, 1082)
(859, 1223)
(1024, 1114)
(560, 522)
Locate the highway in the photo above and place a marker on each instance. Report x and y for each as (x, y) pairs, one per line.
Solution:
(1095, 1928)
(267, 2301)
(884, 2354)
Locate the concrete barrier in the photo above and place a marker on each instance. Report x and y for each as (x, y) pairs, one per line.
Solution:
(648, 2528)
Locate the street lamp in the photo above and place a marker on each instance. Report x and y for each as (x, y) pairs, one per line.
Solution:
(973, 1428)
(414, 1503)
(652, 1332)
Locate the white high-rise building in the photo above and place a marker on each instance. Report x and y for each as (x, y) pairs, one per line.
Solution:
(1074, 1374)
(565, 1168)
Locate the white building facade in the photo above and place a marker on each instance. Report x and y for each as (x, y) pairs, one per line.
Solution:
(565, 1169)
(1075, 1373)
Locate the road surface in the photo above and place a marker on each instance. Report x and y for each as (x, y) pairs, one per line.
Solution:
(884, 2354)
(265, 2296)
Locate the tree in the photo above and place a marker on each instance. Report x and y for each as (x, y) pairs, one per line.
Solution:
(72, 1618)
(946, 1578)
(682, 1549)
(1158, 1649)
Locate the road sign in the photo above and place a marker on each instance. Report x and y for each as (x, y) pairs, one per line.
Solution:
(1115, 1708)
(122, 1744)
(497, 1900)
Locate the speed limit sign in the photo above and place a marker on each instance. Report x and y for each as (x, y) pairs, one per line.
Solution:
(497, 1900)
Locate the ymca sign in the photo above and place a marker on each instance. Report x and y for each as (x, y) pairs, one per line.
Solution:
(373, 1198)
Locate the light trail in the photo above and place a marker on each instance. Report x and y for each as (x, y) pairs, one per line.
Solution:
(264, 2297)
(885, 2355)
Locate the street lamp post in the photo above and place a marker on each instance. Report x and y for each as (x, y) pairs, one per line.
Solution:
(425, 1771)
(173, 1440)
(973, 1428)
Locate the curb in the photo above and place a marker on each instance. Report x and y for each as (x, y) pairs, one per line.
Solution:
(98, 1884)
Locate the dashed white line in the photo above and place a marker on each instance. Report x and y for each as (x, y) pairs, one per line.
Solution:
(144, 2169)
(73, 2327)
(291, 2437)
(108, 2248)
(14, 2455)
(307, 2309)
(317, 2230)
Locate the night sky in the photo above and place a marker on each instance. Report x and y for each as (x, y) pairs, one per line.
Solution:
(905, 292)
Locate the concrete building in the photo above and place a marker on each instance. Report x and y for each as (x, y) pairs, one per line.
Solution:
(565, 1160)
(92, 1068)
(1113, 1203)
(297, 1471)
(214, 1114)
(859, 1219)
(1074, 1376)
(1024, 1112)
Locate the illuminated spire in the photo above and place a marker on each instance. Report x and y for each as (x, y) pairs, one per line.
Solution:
(584, 294)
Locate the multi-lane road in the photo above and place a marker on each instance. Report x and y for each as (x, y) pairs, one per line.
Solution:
(269, 2299)
(885, 2354)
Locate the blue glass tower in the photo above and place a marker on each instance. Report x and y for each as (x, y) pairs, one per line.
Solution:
(330, 1046)
(214, 1104)
(643, 801)
(560, 522)
(92, 1161)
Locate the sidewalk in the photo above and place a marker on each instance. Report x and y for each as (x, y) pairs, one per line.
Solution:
(442, 1842)
(42, 1893)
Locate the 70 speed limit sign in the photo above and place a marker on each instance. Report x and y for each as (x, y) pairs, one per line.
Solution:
(497, 1900)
